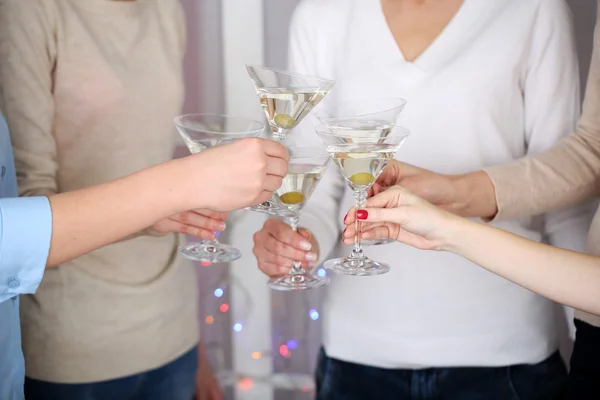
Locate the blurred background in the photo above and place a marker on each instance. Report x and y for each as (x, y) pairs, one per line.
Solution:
(263, 344)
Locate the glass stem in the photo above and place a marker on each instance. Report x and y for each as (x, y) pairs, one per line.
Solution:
(360, 198)
(278, 137)
(297, 265)
(214, 243)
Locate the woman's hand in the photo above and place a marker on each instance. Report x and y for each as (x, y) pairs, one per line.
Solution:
(277, 246)
(199, 223)
(400, 215)
(236, 175)
(467, 195)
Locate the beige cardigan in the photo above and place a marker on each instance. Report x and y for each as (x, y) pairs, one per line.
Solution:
(567, 174)
(89, 89)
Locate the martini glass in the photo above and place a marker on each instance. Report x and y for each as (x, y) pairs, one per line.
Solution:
(386, 110)
(201, 132)
(307, 165)
(286, 98)
(360, 149)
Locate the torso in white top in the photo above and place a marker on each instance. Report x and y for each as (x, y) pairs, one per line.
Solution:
(498, 83)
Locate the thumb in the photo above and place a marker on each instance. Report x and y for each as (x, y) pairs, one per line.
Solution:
(393, 215)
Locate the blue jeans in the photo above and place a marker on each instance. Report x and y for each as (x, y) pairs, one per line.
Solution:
(174, 381)
(339, 380)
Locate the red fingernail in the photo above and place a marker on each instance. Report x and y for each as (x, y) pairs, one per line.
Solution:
(345, 216)
(344, 233)
(362, 214)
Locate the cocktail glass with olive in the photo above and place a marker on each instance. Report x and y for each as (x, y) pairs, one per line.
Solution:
(385, 110)
(286, 98)
(307, 165)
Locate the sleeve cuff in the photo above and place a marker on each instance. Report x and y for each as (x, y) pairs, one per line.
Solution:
(26, 231)
(501, 188)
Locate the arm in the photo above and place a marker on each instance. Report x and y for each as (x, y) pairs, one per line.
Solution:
(130, 204)
(565, 276)
(562, 275)
(38, 231)
(83, 220)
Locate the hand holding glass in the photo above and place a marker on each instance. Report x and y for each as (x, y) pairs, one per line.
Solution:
(201, 132)
(360, 149)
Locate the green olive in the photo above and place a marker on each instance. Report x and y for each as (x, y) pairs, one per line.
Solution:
(292, 198)
(362, 178)
(285, 121)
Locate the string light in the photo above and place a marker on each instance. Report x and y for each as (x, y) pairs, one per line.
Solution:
(284, 351)
(245, 383)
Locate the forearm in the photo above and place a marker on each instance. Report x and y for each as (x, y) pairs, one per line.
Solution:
(561, 275)
(563, 176)
(87, 219)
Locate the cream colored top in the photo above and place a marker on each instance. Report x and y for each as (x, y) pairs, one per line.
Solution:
(567, 174)
(89, 89)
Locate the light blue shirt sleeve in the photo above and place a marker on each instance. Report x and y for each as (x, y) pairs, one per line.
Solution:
(25, 234)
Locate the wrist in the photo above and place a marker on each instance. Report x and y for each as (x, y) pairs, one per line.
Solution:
(453, 233)
(475, 195)
(172, 188)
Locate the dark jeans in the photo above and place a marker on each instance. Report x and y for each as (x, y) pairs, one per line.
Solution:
(174, 381)
(339, 380)
(584, 377)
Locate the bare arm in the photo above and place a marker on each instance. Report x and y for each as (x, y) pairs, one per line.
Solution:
(87, 219)
(564, 276)
(83, 220)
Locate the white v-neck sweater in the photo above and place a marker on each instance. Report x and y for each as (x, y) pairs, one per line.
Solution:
(500, 82)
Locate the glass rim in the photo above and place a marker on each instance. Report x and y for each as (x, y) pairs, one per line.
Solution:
(402, 104)
(320, 129)
(321, 150)
(281, 71)
(260, 126)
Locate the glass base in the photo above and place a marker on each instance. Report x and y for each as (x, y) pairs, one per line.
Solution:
(302, 281)
(376, 242)
(270, 208)
(356, 266)
(209, 251)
